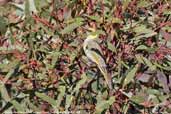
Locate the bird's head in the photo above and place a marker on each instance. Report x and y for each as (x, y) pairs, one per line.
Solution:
(92, 34)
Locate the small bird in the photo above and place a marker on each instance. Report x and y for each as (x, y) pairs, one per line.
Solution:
(94, 53)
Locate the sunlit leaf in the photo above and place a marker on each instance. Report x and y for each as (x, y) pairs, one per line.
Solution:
(95, 18)
(111, 47)
(3, 25)
(14, 65)
(129, 77)
(103, 104)
(71, 27)
(116, 20)
(144, 36)
(17, 106)
(4, 92)
(62, 91)
(139, 58)
(81, 82)
(46, 98)
(143, 3)
(149, 64)
(138, 99)
(69, 99)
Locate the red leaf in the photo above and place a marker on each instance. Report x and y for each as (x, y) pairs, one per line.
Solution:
(165, 35)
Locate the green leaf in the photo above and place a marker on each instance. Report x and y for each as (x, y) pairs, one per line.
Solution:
(72, 26)
(27, 8)
(149, 64)
(99, 32)
(54, 55)
(130, 76)
(69, 99)
(125, 108)
(40, 4)
(13, 66)
(125, 65)
(116, 20)
(3, 26)
(138, 99)
(95, 18)
(111, 47)
(31, 105)
(139, 58)
(145, 48)
(94, 86)
(147, 35)
(81, 82)
(153, 91)
(32, 6)
(111, 100)
(17, 105)
(4, 92)
(46, 98)
(77, 19)
(142, 47)
(167, 68)
(125, 3)
(166, 11)
(103, 104)
(62, 90)
(143, 3)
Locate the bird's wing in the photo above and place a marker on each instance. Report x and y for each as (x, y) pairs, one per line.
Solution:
(95, 57)
(106, 76)
(94, 45)
(94, 53)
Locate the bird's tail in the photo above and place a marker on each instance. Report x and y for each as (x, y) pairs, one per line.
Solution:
(106, 76)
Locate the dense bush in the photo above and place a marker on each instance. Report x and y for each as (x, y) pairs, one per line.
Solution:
(43, 67)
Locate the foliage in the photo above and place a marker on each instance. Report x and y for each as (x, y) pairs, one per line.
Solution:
(44, 69)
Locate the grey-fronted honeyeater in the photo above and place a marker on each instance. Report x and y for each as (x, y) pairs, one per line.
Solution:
(94, 53)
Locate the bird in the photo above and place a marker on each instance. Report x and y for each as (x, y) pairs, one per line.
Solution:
(93, 52)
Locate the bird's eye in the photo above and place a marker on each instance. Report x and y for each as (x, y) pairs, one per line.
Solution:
(87, 47)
